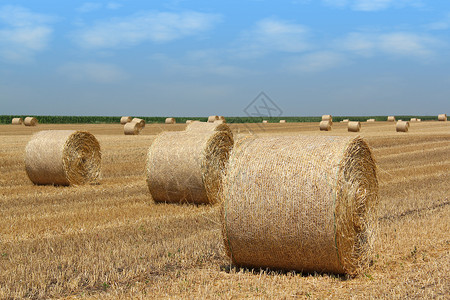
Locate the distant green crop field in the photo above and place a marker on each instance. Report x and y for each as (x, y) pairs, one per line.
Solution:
(6, 119)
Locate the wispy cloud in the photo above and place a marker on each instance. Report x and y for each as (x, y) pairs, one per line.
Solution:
(88, 7)
(442, 24)
(142, 27)
(372, 5)
(315, 62)
(25, 33)
(272, 35)
(92, 71)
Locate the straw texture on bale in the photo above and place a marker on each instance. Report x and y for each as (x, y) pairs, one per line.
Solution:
(170, 121)
(125, 120)
(391, 118)
(282, 121)
(327, 118)
(305, 203)
(141, 122)
(402, 126)
(213, 118)
(132, 128)
(209, 127)
(186, 167)
(442, 117)
(30, 121)
(63, 157)
(325, 125)
(354, 126)
(17, 121)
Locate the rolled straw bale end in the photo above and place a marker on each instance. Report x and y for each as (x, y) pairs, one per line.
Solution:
(282, 121)
(125, 120)
(17, 121)
(354, 126)
(30, 121)
(132, 128)
(170, 121)
(402, 126)
(211, 119)
(325, 125)
(63, 157)
(140, 122)
(391, 118)
(442, 117)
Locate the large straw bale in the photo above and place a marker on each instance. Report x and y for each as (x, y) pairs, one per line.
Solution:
(442, 117)
(17, 121)
(305, 203)
(327, 118)
(402, 126)
(282, 121)
(222, 118)
(30, 121)
(354, 126)
(141, 122)
(413, 120)
(211, 119)
(125, 120)
(170, 121)
(187, 166)
(391, 118)
(63, 157)
(132, 128)
(208, 127)
(325, 125)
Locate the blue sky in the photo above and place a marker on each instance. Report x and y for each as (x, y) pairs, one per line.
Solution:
(197, 58)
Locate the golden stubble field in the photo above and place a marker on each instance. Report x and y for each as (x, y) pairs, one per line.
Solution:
(112, 241)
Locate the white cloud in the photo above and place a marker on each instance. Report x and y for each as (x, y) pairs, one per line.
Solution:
(88, 7)
(270, 35)
(113, 5)
(443, 24)
(25, 33)
(315, 62)
(372, 5)
(156, 27)
(91, 71)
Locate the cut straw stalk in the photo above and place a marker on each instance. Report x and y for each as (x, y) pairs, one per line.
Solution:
(63, 157)
(300, 203)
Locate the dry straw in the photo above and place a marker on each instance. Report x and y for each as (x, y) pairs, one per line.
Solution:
(402, 126)
(282, 121)
(125, 120)
(186, 167)
(413, 120)
(170, 121)
(141, 122)
(188, 121)
(222, 118)
(391, 118)
(132, 128)
(345, 120)
(327, 118)
(370, 120)
(30, 121)
(264, 121)
(208, 127)
(419, 120)
(354, 126)
(325, 125)
(442, 117)
(17, 121)
(211, 119)
(63, 157)
(305, 203)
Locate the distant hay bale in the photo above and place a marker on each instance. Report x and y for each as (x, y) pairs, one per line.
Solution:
(188, 121)
(125, 120)
(17, 121)
(30, 121)
(186, 166)
(282, 121)
(325, 125)
(354, 126)
(211, 119)
(413, 120)
(63, 157)
(132, 128)
(305, 203)
(170, 121)
(402, 126)
(140, 122)
(264, 121)
(442, 117)
(327, 118)
(346, 120)
(419, 120)
(391, 118)
(370, 120)
(222, 118)
(209, 127)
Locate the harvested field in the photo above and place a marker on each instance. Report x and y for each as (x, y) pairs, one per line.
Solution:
(112, 241)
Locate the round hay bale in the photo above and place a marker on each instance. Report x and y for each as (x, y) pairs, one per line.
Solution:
(208, 127)
(186, 167)
(125, 120)
(140, 122)
(17, 121)
(188, 121)
(419, 120)
(402, 126)
(170, 121)
(442, 117)
(345, 120)
(327, 118)
(222, 118)
(391, 118)
(264, 121)
(325, 125)
(132, 128)
(305, 203)
(30, 121)
(63, 157)
(354, 126)
(212, 118)
(370, 120)
(282, 121)
(413, 120)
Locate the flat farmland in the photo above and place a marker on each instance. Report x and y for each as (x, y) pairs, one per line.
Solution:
(112, 241)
